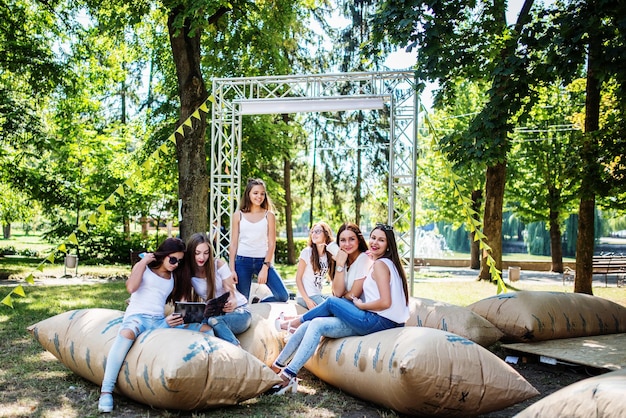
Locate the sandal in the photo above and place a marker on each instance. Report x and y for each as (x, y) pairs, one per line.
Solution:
(289, 385)
(285, 326)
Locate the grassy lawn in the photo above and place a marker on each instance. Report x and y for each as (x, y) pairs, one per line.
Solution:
(34, 383)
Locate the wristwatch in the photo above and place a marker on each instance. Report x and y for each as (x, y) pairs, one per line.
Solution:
(339, 269)
(268, 264)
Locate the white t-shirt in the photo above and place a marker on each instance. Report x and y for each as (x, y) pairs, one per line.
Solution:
(313, 282)
(199, 285)
(357, 270)
(253, 237)
(151, 295)
(398, 311)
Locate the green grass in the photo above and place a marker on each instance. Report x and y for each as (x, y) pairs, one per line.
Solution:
(21, 241)
(35, 384)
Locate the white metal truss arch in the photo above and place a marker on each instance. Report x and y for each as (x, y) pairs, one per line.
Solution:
(234, 97)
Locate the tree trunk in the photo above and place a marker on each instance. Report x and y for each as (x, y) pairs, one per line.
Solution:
(556, 250)
(126, 222)
(494, 197)
(477, 196)
(193, 183)
(584, 247)
(291, 253)
(6, 230)
(358, 198)
(144, 221)
(586, 211)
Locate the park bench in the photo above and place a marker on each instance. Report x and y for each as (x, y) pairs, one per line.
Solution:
(607, 265)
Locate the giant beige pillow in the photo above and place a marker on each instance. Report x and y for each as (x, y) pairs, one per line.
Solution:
(455, 319)
(597, 397)
(165, 368)
(420, 371)
(537, 315)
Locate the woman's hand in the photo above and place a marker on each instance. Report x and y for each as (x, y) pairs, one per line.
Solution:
(261, 278)
(341, 258)
(230, 305)
(310, 303)
(174, 320)
(357, 302)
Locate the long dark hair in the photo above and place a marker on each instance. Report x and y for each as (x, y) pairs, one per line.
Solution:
(349, 226)
(246, 203)
(392, 254)
(315, 257)
(167, 247)
(183, 290)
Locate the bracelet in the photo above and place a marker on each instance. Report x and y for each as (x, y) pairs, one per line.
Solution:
(267, 263)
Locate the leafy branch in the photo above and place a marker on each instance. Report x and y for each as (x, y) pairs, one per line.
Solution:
(472, 217)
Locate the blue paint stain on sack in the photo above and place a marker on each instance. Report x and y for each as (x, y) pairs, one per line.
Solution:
(452, 338)
(375, 357)
(57, 345)
(357, 353)
(111, 324)
(127, 375)
(72, 352)
(164, 383)
(444, 325)
(540, 325)
(206, 345)
(393, 355)
(88, 360)
(338, 353)
(146, 378)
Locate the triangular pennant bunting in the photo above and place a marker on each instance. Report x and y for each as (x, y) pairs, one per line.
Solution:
(19, 290)
(92, 218)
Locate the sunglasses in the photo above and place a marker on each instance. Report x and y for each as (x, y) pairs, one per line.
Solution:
(174, 260)
(384, 227)
(317, 231)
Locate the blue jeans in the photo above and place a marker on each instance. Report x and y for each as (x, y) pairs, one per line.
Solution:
(362, 322)
(231, 323)
(246, 267)
(302, 344)
(121, 346)
(318, 299)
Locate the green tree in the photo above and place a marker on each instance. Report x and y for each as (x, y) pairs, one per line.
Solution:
(540, 185)
(589, 36)
(14, 207)
(470, 40)
(436, 194)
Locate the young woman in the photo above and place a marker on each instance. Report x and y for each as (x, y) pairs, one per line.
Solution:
(210, 278)
(253, 241)
(314, 266)
(351, 262)
(150, 283)
(385, 291)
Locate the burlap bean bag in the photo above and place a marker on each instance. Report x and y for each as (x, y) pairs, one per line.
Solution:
(165, 368)
(538, 316)
(420, 371)
(597, 397)
(452, 318)
(262, 339)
